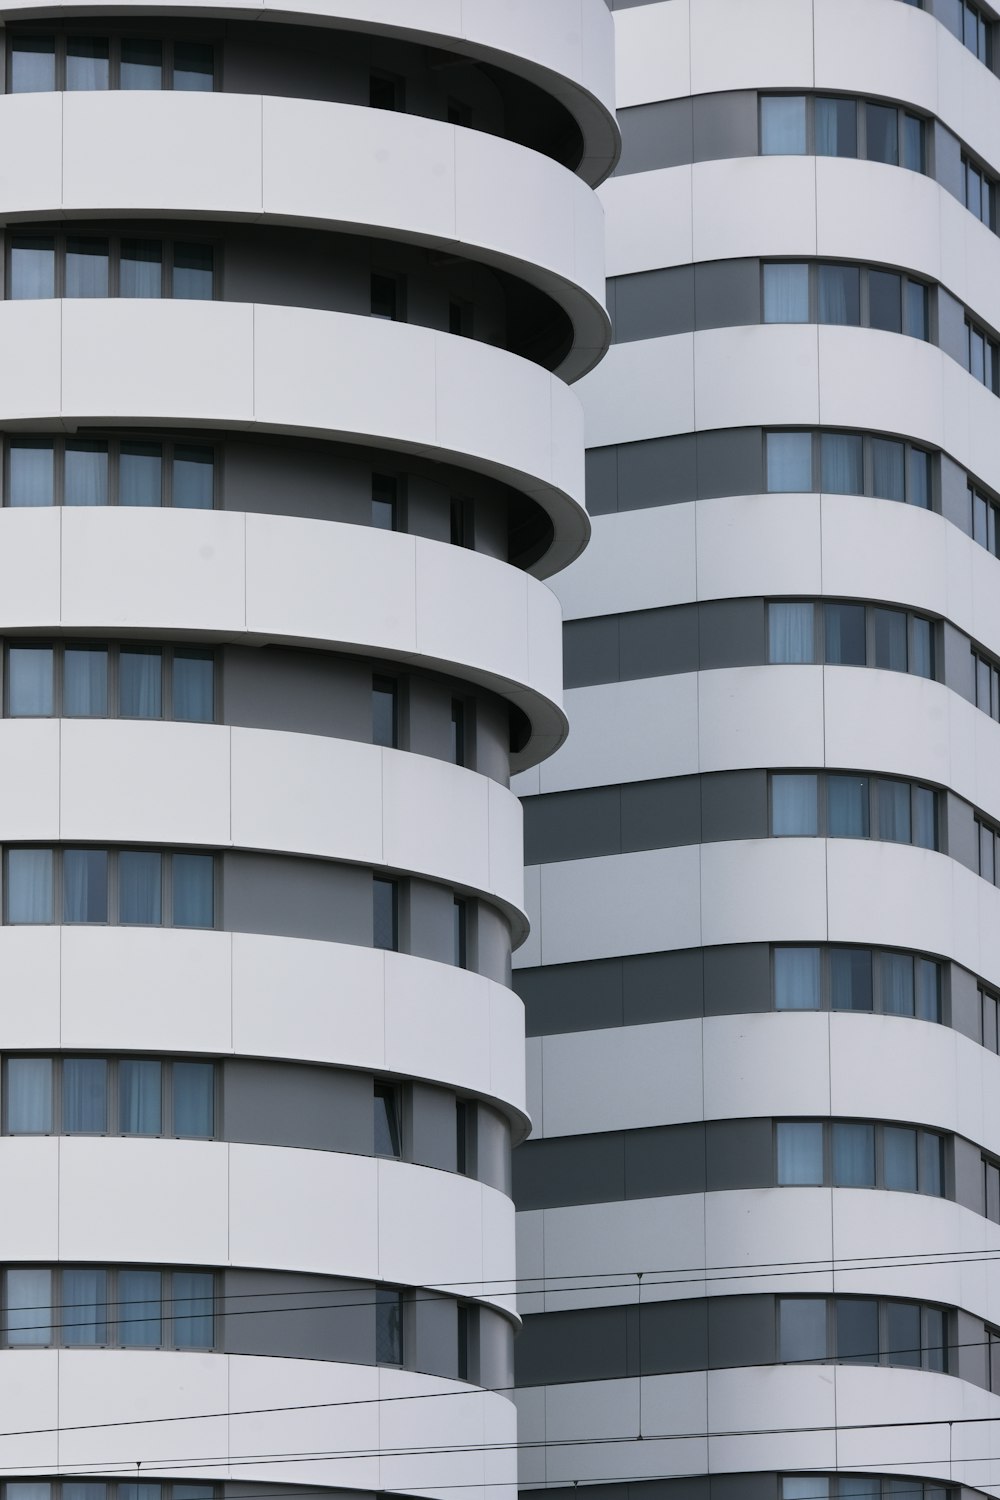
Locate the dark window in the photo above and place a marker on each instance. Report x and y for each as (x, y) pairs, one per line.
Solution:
(385, 712)
(385, 914)
(386, 298)
(387, 1141)
(388, 1326)
(460, 924)
(836, 127)
(385, 502)
(882, 134)
(457, 748)
(462, 533)
(385, 91)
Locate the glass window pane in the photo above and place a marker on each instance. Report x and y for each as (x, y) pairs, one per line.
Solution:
(85, 682)
(141, 271)
(32, 268)
(935, 1353)
(839, 295)
(894, 811)
(41, 1489)
(851, 979)
(847, 807)
(29, 1307)
(796, 979)
(140, 684)
(139, 474)
(29, 885)
(142, 64)
(916, 310)
(913, 143)
(150, 1491)
(924, 818)
(386, 1121)
(193, 1305)
(139, 888)
(805, 1487)
(193, 272)
(139, 1111)
(85, 885)
(87, 62)
(84, 1312)
(853, 1154)
(84, 1095)
(384, 496)
(29, 1095)
(888, 469)
(194, 479)
(385, 914)
(896, 973)
(86, 267)
(802, 1329)
(388, 1327)
(194, 890)
(902, 1334)
(786, 293)
(844, 635)
(992, 1175)
(885, 301)
(383, 712)
(920, 478)
(194, 66)
(32, 473)
(32, 64)
(139, 1300)
(882, 128)
(979, 518)
(194, 1099)
(790, 632)
(836, 127)
(194, 686)
(890, 639)
(29, 681)
(841, 464)
(922, 648)
(794, 806)
(973, 190)
(789, 462)
(800, 1153)
(86, 473)
(977, 356)
(857, 1330)
(986, 851)
(783, 125)
(899, 1157)
(927, 987)
(931, 1168)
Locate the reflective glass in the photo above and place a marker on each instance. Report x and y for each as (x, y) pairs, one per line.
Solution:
(934, 1349)
(924, 818)
(29, 885)
(851, 979)
(796, 978)
(29, 1095)
(916, 310)
(853, 1154)
(388, 1327)
(194, 686)
(844, 635)
(85, 885)
(802, 1328)
(894, 811)
(139, 1110)
(986, 852)
(384, 914)
(29, 1307)
(922, 648)
(896, 973)
(899, 1158)
(980, 517)
(85, 682)
(194, 1099)
(194, 66)
(193, 479)
(836, 127)
(890, 639)
(194, 890)
(140, 677)
(147, 1491)
(783, 125)
(87, 62)
(800, 1153)
(794, 807)
(927, 988)
(32, 474)
(84, 1312)
(139, 1312)
(841, 464)
(141, 272)
(32, 268)
(888, 469)
(786, 293)
(194, 1324)
(32, 64)
(882, 127)
(902, 1345)
(193, 273)
(973, 190)
(139, 481)
(86, 473)
(913, 143)
(386, 1121)
(30, 681)
(977, 356)
(789, 462)
(384, 502)
(931, 1171)
(139, 888)
(885, 301)
(847, 807)
(84, 1095)
(857, 1330)
(839, 295)
(790, 632)
(86, 267)
(805, 1487)
(142, 64)
(37, 1489)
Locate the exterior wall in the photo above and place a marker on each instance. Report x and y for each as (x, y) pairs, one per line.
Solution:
(657, 1243)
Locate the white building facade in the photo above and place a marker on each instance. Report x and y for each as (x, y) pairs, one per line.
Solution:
(292, 305)
(758, 1213)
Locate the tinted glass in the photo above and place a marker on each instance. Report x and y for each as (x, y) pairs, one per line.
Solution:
(194, 686)
(921, 648)
(899, 1158)
(140, 675)
(194, 1099)
(847, 807)
(85, 885)
(87, 62)
(794, 806)
(194, 66)
(194, 479)
(796, 978)
(789, 462)
(193, 274)
(194, 1324)
(384, 502)
(836, 127)
(924, 818)
(896, 973)
(29, 1307)
(841, 464)
(141, 269)
(802, 1328)
(857, 1330)
(920, 478)
(32, 268)
(84, 1312)
(194, 890)
(86, 473)
(902, 1334)
(29, 1095)
(85, 682)
(790, 632)
(885, 301)
(888, 469)
(388, 1327)
(139, 1091)
(916, 310)
(139, 892)
(141, 64)
(882, 127)
(29, 885)
(800, 1153)
(894, 811)
(85, 1095)
(30, 681)
(853, 1154)
(138, 1311)
(935, 1353)
(86, 267)
(839, 295)
(927, 989)
(139, 481)
(383, 712)
(783, 125)
(931, 1166)
(32, 474)
(851, 979)
(384, 933)
(786, 293)
(890, 639)
(386, 1122)
(32, 64)
(913, 143)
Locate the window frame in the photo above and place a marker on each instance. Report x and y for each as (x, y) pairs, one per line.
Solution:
(114, 35)
(114, 1061)
(59, 236)
(879, 984)
(58, 442)
(169, 652)
(167, 894)
(113, 1322)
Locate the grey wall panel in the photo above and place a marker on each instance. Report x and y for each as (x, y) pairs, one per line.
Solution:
(602, 481)
(724, 126)
(662, 986)
(298, 1317)
(673, 1336)
(572, 997)
(433, 1131)
(946, 160)
(578, 824)
(656, 135)
(664, 1161)
(741, 1331)
(737, 979)
(304, 692)
(496, 1351)
(731, 633)
(954, 485)
(969, 1356)
(952, 335)
(554, 1347)
(435, 1323)
(296, 897)
(968, 1186)
(654, 304)
(288, 1104)
(492, 943)
(427, 917)
(591, 651)
(734, 806)
(739, 1154)
(492, 1149)
(730, 462)
(660, 814)
(963, 1002)
(566, 1170)
(727, 293)
(655, 642)
(961, 833)
(958, 666)
(658, 471)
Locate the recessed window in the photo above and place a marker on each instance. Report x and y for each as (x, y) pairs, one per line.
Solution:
(844, 805)
(78, 265)
(786, 292)
(97, 886)
(387, 1134)
(385, 91)
(387, 298)
(57, 471)
(385, 914)
(861, 1330)
(856, 979)
(460, 933)
(388, 1326)
(783, 125)
(847, 463)
(88, 680)
(385, 502)
(94, 1306)
(385, 712)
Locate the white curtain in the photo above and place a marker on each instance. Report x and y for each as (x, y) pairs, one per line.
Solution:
(783, 125)
(786, 293)
(139, 1097)
(800, 1153)
(29, 1307)
(29, 885)
(853, 1155)
(29, 1095)
(85, 682)
(85, 1095)
(31, 474)
(139, 879)
(897, 984)
(140, 684)
(86, 473)
(29, 681)
(796, 978)
(790, 632)
(84, 1306)
(85, 885)
(841, 466)
(794, 806)
(894, 811)
(888, 469)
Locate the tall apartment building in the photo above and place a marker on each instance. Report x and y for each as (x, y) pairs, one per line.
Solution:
(292, 301)
(759, 1210)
